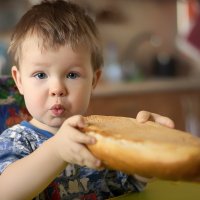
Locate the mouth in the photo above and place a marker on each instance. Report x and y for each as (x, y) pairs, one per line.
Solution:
(57, 110)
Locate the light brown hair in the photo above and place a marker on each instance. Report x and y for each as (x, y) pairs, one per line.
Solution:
(58, 23)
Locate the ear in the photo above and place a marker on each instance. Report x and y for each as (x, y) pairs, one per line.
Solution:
(96, 77)
(17, 78)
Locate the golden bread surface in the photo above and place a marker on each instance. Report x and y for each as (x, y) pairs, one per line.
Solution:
(147, 149)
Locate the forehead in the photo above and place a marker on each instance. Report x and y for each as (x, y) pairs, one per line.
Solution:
(33, 41)
(33, 51)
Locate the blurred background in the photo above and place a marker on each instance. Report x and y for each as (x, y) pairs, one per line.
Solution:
(151, 52)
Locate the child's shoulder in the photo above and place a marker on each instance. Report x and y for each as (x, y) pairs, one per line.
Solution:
(12, 131)
(20, 139)
(20, 134)
(13, 145)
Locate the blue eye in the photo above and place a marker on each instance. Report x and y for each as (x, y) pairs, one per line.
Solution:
(40, 75)
(72, 75)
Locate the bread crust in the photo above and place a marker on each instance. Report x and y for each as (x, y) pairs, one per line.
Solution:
(147, 149)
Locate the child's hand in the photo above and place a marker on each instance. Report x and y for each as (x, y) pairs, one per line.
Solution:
(69, 143)
(144, 116)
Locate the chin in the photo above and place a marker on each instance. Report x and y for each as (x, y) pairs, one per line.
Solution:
(56, 123)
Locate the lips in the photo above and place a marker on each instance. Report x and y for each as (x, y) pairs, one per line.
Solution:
(57, 110)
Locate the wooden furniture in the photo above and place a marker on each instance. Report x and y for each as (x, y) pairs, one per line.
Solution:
(175, 98)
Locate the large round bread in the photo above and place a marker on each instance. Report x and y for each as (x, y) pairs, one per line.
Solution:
(147, 149)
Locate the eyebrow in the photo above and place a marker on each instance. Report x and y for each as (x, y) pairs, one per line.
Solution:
(36, 63)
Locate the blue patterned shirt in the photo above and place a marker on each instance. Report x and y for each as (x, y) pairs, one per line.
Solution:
(75, 182)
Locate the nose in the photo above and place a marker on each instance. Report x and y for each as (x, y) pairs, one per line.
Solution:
(57, 93)
(58, 89)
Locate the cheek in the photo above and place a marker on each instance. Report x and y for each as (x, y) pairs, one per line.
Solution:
(33, 100)
(82, 96)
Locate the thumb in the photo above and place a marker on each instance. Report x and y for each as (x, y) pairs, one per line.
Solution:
(143, 116)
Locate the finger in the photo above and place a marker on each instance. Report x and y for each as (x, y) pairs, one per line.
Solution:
(90, 160)
(79, 137)
(85, 157)
(143, 116)
(76, 121)
(165, 121)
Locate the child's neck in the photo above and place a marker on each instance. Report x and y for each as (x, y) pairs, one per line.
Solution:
(43, 126)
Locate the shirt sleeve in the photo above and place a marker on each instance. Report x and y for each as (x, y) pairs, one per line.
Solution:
(13, 146)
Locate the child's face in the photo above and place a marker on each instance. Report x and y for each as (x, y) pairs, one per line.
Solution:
(56, 84)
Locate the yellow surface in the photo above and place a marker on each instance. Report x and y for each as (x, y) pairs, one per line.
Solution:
(166, 190)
